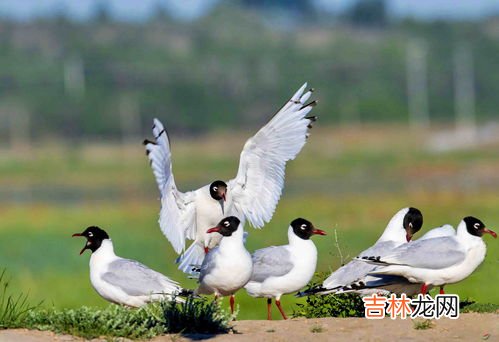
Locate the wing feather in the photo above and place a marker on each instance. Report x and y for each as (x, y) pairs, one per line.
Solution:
(436, 253)
(270, 262)
(178, 210)
(260, 178)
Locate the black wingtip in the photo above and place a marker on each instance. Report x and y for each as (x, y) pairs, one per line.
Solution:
(147, 141)
(310, 104)
(310, 292)
(163, 131)
(186, 293)
(312, 120)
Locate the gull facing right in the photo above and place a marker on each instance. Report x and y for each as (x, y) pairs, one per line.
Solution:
(439, 261)
(279, 270)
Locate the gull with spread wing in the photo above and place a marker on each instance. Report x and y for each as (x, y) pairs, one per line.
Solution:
(252, 195)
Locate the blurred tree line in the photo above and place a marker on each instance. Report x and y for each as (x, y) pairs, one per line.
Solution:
(231, 68)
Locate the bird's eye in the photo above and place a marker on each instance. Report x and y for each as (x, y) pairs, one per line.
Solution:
(215, 188)
(226, 223)
(410, 224)
(477, 225)
(90, 234)
(303, 227)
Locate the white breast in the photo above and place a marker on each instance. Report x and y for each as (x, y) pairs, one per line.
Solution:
(304, 259)
(209, 214)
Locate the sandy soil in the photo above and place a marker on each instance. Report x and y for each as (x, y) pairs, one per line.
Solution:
(469, 327)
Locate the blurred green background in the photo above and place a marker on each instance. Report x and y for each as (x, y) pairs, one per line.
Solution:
(407, 117)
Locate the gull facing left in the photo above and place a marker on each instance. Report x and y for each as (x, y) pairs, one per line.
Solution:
(227, 267)
(124, 281)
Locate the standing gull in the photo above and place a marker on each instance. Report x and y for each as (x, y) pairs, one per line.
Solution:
(123, 281)
(279, 270)
(403, 225)
(252, 195)
(439, 261)
(227, 267)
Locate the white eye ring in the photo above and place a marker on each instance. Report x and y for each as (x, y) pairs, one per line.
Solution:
(303, 227)
(410, 224)
(226, 224)
(215, 188)
(477, 225)
(90, 234)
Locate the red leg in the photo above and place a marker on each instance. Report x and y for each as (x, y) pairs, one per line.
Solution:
(232, 301)
(206, 250)
(442, 290)
(269, 309)
(278, 303)
(424, 289)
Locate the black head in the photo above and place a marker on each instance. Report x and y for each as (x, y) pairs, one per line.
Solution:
(305, 229)
(476, 227)
(226, 227)
(218, 189)
(94, 236)
(413, 221)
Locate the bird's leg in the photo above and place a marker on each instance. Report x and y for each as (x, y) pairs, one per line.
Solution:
(206, 250)
(278, 303)
(424, 289)
(269, 309)
(442, 290)
(232, 301)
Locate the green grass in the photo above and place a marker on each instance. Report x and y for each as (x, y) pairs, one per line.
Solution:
(348, 181)
(194, 317)
(14, 307)
(424, 324)
(472, 306)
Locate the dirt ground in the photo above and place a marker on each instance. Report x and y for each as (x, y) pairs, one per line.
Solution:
(469, 327)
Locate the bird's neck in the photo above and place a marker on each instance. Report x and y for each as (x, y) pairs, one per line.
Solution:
(297, 242)
(233, 241)
(395, 231)
(104, 254)
(465, 237)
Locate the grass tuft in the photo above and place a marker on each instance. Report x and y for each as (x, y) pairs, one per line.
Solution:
(342, 305)
(13, 309)
(469, 305)
(195, 316)
(316, 329)
(422, 324)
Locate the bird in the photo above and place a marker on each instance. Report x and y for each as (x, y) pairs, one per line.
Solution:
(227, 267)
(437, 261)
(124, 281)
(385, 284)
(279, 270)
(252, 195)
(403, 225)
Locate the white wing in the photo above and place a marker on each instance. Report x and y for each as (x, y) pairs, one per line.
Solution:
(260, 178)
(436, 253)
(178, 210)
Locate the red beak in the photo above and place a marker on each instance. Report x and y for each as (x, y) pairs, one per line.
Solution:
(223, 196)
(213, 230)
(491, 232)
(76, 234)
(408, 237)
(318, 232)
